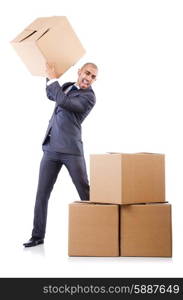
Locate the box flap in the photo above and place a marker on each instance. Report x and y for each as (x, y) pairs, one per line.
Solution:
(31, 35)
(143, 153)
(37, 28)
(42, 32)
(92, 202)
(24, 35)
(113, 152)
(148, 153)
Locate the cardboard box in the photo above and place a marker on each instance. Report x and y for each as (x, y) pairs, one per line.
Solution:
(120, 230)
(93, 230)
(50, 39)
(127, 178)
(146, 230)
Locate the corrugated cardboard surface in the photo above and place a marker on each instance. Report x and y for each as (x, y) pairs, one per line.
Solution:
(143, 178)
(127, 178)
(105, 178)
(93, 230)
(146, 230)
(49, 39)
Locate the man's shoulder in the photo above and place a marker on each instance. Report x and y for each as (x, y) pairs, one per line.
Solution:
(88, 91)
(67, 84)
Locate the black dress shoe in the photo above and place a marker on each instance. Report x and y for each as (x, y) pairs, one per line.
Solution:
(34, 241)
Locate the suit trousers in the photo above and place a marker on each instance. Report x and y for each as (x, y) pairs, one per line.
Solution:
(50, 166)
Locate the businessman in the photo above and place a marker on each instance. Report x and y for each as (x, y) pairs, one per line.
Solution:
(62, 144)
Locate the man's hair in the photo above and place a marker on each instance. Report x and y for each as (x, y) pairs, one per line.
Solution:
(91, 64)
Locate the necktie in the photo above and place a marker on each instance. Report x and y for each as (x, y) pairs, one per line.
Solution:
(73, 88)
(70, 88)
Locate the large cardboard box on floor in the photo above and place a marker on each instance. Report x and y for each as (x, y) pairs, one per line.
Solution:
(93, 230)
(49, 39)
(146, 230)
(127, 178)
(120, 230)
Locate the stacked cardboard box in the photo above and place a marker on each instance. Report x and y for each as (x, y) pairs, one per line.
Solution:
(127, 214)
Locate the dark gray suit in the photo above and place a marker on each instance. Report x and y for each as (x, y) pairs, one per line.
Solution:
(63, 145)
(70, 111)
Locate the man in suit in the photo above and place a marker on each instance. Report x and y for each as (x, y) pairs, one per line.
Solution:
(62, 144)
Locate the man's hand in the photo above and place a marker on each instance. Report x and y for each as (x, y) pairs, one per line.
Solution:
(50, 71)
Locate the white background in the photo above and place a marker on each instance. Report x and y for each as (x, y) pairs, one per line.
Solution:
(138, 46)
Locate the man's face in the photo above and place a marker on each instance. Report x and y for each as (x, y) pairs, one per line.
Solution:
(86, 76)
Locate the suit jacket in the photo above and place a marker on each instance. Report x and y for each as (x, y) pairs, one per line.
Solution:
(65, 124)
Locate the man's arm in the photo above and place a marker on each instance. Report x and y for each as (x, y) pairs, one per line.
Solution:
(52, 76)
(76, 103)
(48, 93)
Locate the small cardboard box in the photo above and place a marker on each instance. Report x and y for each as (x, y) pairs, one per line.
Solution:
(93, 230)
(146, 230)
(51, 40)
(127, 178)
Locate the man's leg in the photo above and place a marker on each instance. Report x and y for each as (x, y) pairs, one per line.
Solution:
(77, 169)
(49, 169)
